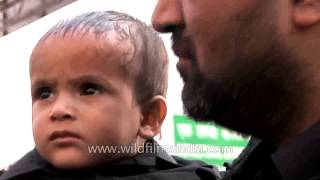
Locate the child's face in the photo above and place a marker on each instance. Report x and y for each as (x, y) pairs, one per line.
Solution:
(80, 97)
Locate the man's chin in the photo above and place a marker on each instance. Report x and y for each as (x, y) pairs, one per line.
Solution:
(205, 101)
(195, 105)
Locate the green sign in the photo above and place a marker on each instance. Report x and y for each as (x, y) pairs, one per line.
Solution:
(206, 141)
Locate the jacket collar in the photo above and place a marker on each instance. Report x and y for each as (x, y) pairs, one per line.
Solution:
(30, 162)
(33, 161)
(300, 159)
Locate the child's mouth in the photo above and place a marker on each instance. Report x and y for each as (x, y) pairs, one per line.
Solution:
(64, 134)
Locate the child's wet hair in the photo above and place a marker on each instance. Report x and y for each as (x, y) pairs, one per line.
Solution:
(149, 64)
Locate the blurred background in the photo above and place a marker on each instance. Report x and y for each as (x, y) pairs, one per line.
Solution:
(17, 13)
(23, 22)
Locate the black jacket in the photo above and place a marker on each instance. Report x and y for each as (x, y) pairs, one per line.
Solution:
(298, 160)
(155, 166)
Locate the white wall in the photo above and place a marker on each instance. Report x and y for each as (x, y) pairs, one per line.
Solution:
(15, 100)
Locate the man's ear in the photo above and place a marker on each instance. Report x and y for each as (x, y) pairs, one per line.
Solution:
(154, 112)
(306, 13)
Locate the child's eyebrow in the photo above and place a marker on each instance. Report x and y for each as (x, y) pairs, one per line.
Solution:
(42, 82)
(93, 79)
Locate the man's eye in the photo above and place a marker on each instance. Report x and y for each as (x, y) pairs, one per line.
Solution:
(89, 89)
(44, 93)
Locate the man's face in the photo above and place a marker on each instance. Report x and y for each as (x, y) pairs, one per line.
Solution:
(232, 58)
(81, 98)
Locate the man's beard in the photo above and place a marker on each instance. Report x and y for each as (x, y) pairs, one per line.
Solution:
(257, 99)
(203, 100)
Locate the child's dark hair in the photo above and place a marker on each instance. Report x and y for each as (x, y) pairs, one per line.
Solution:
(148, 67)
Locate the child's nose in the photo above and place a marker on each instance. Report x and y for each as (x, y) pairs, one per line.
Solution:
(63, 109)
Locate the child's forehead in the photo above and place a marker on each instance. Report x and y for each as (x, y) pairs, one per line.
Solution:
(89, 41)
(110, 50)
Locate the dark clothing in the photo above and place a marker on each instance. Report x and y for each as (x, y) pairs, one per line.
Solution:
(298, 160)
(155, 166)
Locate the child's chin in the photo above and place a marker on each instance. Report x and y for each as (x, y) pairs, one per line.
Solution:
(81, 162)
(71, 165)
(74, 166)
(71, 162)
(75, 159)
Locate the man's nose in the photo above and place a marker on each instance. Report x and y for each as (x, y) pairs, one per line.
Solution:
(63, 109)
(167, 15)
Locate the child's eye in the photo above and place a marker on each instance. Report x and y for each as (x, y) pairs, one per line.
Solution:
(90, 89)
(43, 93)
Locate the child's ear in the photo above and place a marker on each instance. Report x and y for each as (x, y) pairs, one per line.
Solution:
(306, 13)
(154, 112)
